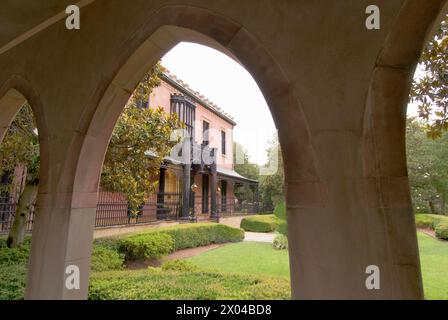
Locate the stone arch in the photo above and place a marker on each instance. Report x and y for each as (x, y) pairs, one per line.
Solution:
(169, 26)
(162, 31)
(386, 187)
(14, 93)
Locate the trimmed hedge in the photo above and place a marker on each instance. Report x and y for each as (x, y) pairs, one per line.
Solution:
(106, 259)
(438, 223)
(202, 234)
(442, 231)
(156, 284)
(265, 223)
(147, 246)
(280, 213)
(159, 242)
(280, 242)
(179, 265)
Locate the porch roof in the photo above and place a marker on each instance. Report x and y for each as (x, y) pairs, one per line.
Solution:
(234, 175)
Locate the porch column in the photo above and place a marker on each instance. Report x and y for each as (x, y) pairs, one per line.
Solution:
(186, 159)
(214, 211)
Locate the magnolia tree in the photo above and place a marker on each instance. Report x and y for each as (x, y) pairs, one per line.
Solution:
(140, 141)
(430, 88)
(428, 168)
(20, 149)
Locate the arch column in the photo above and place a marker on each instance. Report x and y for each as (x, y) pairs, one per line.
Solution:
(62, 229)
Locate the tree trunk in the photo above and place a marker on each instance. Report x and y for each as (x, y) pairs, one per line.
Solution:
(431, 207)
(24, 205)
(442, 205)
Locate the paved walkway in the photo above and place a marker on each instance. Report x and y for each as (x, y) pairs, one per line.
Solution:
(259, 237)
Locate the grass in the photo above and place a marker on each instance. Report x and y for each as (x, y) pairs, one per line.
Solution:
(262, 259)
(247, 258)
(434, 264)
(247, 270)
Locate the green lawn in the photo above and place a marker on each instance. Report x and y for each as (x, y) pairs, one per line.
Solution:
(262, 259)
(246, 257)
(246, 270)
(434, 263)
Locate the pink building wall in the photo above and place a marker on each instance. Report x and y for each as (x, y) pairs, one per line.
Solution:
(161, 97)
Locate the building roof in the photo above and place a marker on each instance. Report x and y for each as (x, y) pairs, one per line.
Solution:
(234, 175)
(185, 89)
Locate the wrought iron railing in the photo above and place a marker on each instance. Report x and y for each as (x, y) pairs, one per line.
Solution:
(7, 214)
(113, 209)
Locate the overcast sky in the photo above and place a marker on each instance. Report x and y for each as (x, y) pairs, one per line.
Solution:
(231, 87)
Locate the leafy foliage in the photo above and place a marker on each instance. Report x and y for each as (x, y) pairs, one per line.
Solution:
(128, 168)
(162, 241)
(249, 170)
(147, 246)
(272, 186)
(280, 242)
(261, 223)
(179, 265)
(105, 259)
(154, 284)
(428, 168)
(430, 91)
(20, 146)
(438, 223)
(280, 213)
(202, 234)
(140, 141)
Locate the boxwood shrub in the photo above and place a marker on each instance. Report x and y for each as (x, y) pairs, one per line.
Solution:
(280, 242)
(264, 223)
(438, 223)
(146, 246)
(442, 230)
(202, 234)
(105, 259)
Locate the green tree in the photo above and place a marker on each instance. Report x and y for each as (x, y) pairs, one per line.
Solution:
(430, 91)
(272, 185)
(20, 148)
(428, 168)
(249, 170)
(140, 141)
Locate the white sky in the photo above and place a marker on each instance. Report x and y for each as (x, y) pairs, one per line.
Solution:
(231, 87)
(226, 83)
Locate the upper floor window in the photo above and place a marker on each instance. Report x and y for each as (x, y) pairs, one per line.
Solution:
(205, 133)
(186, 111)
(142, 104)
(223, 142)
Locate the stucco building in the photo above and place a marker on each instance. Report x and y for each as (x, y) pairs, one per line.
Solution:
(205, 180)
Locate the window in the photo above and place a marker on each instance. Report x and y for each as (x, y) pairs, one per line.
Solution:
(205, 133)
(186, 111)
(142, 104)
(223, 142)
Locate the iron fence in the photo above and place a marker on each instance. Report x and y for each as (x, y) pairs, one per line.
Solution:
(8, 212)
(113, 209)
